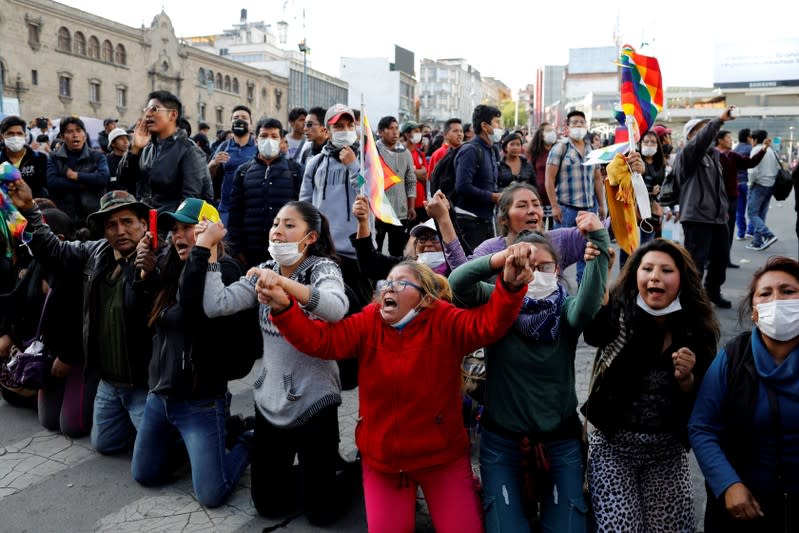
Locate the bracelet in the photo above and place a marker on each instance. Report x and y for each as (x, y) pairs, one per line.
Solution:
(213, 267)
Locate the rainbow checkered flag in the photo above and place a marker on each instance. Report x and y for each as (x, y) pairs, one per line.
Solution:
(641, 88)
(13, 219)
(373, 179)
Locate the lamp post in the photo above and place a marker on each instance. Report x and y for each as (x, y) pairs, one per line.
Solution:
(304, 49)
(790, 147)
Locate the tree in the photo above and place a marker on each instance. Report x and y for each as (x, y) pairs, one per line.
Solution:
(509, 114)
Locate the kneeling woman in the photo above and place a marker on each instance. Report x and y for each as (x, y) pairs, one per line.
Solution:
(410, 342)
(187, 389)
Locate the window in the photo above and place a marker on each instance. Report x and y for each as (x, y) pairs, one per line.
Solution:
(120, 55)
(79, 44)
(236, 85)
(94, 47)
(122, 97)
(64, 40)
(34, 77)
(108, 52)
(64, 86)
(227, 83)
(34, 34)
(209, 80)
(219, 81)
(219, 115)
(249, 92)
(94, 92)
(202, 112)
(201, 76)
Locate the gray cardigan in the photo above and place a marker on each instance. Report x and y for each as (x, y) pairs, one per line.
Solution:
(401, 162)
(291, 387)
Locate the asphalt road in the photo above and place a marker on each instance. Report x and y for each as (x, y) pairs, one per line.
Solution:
(50, 483)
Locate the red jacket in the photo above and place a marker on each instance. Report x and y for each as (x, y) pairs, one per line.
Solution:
(410, 383)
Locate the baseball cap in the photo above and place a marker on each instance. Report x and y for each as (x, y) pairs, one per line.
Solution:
(691, 124)
(108, 121)
(116, 132)
(190, 211)
(408, 126)
(660, 130)
(335, 113)
(429, 224)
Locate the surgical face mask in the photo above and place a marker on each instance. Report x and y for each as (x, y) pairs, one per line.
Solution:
(286, 253)
(673, 307)
(577, 133)
(269, 148)
(550, 137)
(543, 284)
(15, 143)
(497, 135)
(416, 138)
(240, 128)
(431, 259)
(340, 139)
(779, 319)
(649, 151)
(404, 321)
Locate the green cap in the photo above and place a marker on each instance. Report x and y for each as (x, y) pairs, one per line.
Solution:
(190, 211)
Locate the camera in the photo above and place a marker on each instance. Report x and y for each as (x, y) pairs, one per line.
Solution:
(41, 123)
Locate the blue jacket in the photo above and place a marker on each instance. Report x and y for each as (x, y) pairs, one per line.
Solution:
(475, 181)
(257, 193)
(80, 198)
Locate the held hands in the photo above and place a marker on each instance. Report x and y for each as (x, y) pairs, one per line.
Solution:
(437, 206)
(592, 251)
(145, 256)
(21, 195)
(209, 234)
(517, 271)
(684, 361)
(740, 503)
(270, 290)
(587, 221)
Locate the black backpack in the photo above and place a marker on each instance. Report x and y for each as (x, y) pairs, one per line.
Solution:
(443, 176)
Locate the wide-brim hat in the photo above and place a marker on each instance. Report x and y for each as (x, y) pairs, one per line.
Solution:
(114, 201)
(190, 211)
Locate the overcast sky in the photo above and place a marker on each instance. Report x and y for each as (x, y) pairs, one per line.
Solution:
(506, 40)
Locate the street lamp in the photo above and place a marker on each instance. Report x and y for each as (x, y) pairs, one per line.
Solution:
(305, 50)
(790, 147)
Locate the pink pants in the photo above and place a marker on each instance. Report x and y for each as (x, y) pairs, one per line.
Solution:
(450, 491)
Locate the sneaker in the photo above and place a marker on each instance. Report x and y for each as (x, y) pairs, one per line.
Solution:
(721, 302)
(768, 242)
(748, 236)
(753, 246)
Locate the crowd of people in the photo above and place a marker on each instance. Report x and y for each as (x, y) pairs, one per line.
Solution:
(156, 267)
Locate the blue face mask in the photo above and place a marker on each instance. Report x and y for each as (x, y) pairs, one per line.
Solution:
(404, 321)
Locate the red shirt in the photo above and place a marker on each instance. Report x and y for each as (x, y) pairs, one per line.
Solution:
(437, 156)
(409, 380)
(421, 191)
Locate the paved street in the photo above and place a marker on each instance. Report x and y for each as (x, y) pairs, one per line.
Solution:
(50, 483)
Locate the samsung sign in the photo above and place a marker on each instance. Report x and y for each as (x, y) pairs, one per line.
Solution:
(769, 64)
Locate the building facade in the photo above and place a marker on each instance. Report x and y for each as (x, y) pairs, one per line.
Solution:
(495, 92)
(69, 62)
(448, 88)
(257, 45)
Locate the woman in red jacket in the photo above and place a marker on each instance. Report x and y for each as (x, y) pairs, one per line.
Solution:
(410, 343)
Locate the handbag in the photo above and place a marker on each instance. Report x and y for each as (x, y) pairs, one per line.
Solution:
(783, 182)
(26, 371)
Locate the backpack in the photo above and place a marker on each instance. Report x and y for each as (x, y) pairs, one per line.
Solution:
(443, 176)
(783, 182)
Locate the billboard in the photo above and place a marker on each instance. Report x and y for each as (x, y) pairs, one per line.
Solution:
(773, 63)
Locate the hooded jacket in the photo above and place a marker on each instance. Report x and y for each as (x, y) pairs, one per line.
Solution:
(703, 197)
(409, 379)
(331, 187)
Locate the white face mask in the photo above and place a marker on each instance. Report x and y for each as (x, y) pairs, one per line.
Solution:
(649, 151)
(779, 319)
(497, 135)
(673, 307)
(269, 148)
(416, 138)
(550, 137)
(577, 133)
(15, 143)
(286, 253)
(543, 284)
(340, 139)
(431, 259)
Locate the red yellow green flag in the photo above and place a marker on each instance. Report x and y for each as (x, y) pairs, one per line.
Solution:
(373, 180)
(390, 177)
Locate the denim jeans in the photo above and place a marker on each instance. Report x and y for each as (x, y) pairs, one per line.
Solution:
(759, 198)
(568, 219)
(117, 416)
(201, 426)
(563, 506)
(740, 215)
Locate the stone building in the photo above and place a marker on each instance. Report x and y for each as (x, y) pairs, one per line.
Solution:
(57, 60)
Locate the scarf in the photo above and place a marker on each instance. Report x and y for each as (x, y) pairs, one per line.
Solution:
(13, 220)
(540, 319)
(605, 356)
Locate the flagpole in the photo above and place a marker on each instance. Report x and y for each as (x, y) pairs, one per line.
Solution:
(363, 144)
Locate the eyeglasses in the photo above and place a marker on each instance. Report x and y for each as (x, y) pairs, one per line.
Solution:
(548, 268)
(154, 109)
(396, 285)
(310, 124)
(424, 239)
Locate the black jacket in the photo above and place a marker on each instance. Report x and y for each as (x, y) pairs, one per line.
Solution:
(506, 176)
(190, 349)
(80, 198)
(33, 168)
(92, 260)
(166, 176)
(257, 194)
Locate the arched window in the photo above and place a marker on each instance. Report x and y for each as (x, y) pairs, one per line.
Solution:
(209, 79)
(94, 47)
(219, 81)
(227, 83)
(64, 39)
(121, 56)
(79, 44)
(108, 51)
(236, 85)
(201, 76)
